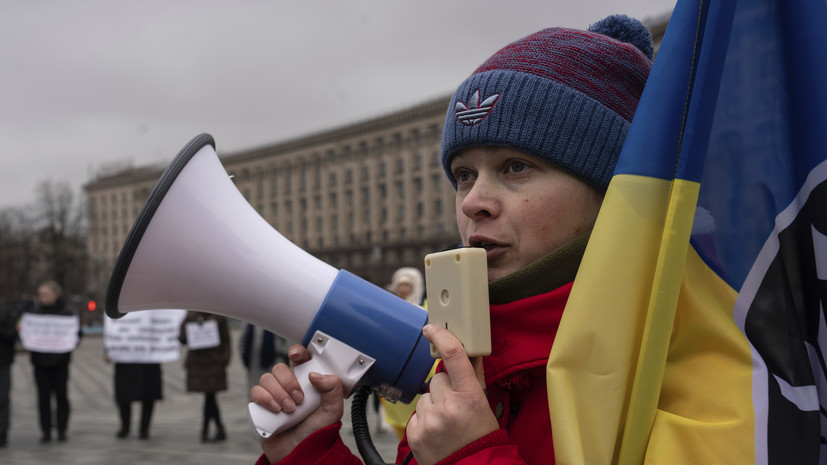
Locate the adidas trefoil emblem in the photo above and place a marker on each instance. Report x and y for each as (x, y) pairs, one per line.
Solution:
(473, 112)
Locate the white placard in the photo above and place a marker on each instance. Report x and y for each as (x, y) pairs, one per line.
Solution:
(146, 336)
(56, 334)
(203, 335)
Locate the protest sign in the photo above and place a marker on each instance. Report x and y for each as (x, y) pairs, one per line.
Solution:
(147, 336)
(49, 333)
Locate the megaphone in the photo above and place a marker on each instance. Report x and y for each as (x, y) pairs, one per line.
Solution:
(198, 245)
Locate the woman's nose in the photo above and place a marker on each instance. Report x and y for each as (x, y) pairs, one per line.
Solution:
(481, 200)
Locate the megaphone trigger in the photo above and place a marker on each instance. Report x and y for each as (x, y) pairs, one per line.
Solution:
(328, 356)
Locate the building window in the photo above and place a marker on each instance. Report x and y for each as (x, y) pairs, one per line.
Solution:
(288, 179)
(303, 178)
(274, 181)
(435, 132)
(317, 174)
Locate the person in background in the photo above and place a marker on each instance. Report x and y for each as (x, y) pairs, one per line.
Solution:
(51, 370)
(8, 341)
(260, 350)
(207, 371)
(530, 143)
(407, 283)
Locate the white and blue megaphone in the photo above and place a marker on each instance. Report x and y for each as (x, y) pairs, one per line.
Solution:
(198, 245)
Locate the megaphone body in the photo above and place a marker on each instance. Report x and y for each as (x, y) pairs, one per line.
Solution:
(198, 245)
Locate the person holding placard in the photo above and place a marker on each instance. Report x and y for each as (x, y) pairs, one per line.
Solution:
(50, 332)
(207, 338)
(137, 344)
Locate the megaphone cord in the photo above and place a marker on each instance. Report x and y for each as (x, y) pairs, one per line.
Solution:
(361, 432)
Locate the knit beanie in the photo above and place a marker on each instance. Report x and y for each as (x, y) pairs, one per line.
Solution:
(562, 95)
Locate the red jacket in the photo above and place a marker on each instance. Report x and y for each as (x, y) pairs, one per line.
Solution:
(522, 333)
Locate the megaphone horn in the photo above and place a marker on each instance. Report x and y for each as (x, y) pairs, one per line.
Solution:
(198, 245)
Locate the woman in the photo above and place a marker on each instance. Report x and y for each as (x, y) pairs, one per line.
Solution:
(207, 368)
(51, 369)
(530, 142)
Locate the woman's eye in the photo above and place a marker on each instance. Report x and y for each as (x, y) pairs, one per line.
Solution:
(462, 176)
(517, 166)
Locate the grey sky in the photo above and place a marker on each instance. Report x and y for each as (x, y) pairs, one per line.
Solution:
(95, 83)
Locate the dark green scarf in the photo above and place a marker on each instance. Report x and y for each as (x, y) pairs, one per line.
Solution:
(544, 275)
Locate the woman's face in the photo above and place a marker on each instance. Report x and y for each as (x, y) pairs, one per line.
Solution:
(46, 296)
(518, 207)
(403, 290)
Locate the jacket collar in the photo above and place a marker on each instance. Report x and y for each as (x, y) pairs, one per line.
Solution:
(544, 275)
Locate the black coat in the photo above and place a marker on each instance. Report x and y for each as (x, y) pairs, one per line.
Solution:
(8, 334)
(137, 382)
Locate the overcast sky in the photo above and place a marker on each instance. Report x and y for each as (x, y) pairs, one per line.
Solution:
(93, 84)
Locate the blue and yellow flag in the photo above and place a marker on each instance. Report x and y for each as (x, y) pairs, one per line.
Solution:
(695, 327)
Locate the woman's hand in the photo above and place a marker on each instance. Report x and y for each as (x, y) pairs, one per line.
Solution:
(279, 391)
(455, 412)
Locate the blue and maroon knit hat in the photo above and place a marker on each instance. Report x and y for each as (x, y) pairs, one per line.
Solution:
(562, 95)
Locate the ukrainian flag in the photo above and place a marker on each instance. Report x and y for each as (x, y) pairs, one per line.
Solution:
(695, 327)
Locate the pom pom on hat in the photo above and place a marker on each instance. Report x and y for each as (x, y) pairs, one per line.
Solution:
(626, 29)
(563, 95)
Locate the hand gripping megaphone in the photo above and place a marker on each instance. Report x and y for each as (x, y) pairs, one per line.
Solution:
(198, 245)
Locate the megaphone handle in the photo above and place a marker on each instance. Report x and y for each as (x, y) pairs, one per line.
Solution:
(267, 423)
(328, 356)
